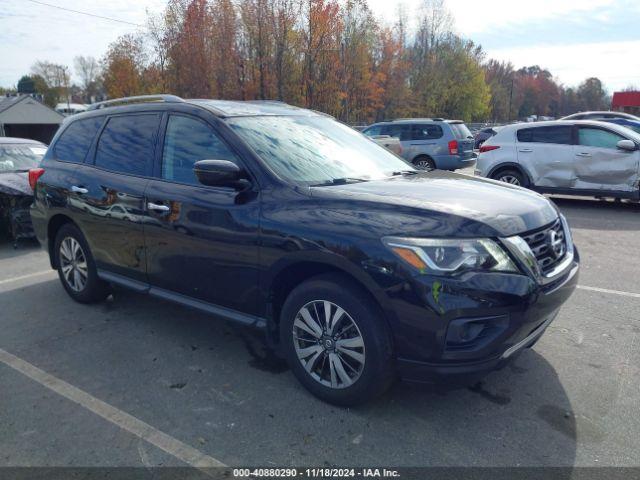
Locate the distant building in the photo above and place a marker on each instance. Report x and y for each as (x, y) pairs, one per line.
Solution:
(628, 102)
(67, 109)
(26, 117)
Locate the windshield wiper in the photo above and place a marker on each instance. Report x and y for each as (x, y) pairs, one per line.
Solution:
(340, 181)
(404, 172)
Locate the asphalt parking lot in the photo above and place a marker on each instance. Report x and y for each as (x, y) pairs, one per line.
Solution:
(139, 382)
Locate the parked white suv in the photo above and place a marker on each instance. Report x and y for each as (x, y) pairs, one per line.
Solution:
(584, 157)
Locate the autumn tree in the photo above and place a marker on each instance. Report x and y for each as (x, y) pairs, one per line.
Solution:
(225, 58)
(124, 66)
(286, 43)
(393, 67)
(189, 24)
(500, 77)
(362, 82)
(329, 55)
(321, 52)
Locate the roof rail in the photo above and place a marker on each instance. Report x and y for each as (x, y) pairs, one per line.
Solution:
(280, 102)
(404, 119)
(137, 99)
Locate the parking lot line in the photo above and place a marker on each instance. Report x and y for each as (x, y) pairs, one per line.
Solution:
(25, 277)
(613, 292)
(180, 450)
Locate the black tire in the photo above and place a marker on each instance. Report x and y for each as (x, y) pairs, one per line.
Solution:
(424, 163)
(376, 373)
(512, 177)
(93, 290)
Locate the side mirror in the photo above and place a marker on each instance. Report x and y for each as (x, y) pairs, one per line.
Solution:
(219, 173)
(628, 145)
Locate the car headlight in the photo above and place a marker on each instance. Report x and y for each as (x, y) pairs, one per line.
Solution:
(450, 256)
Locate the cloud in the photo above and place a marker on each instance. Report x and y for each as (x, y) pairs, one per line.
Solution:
(488, 15)
(57, 35)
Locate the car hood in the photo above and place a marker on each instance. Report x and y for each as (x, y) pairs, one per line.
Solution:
(15, 183)
(506, 209)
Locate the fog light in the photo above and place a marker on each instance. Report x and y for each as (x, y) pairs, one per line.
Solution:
(469, 334)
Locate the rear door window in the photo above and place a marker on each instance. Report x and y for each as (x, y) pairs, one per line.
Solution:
(399, 131)
(460, 131)
(127, 144)
(558, 135)
(597, 137)
(74, 143)
(187, 141)
(426, 132)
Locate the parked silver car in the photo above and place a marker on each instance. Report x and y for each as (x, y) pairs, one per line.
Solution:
(430, 143)
(606, 115)
(583, 157)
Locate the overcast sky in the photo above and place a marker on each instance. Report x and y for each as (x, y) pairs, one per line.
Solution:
(574, 39)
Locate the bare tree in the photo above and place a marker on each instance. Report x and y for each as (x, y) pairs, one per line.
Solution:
(88, 69)
(56, 77)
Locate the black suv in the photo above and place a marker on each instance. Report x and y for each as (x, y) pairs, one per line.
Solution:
(356, 265)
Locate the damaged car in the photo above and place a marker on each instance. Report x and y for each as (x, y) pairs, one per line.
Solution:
(17, 157)
(582, 157)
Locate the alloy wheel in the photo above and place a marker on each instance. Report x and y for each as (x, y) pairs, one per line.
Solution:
(329, 344)
(511, 179)
(424, 165)
(73, 264)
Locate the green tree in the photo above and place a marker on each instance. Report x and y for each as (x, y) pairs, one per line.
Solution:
(592, 95)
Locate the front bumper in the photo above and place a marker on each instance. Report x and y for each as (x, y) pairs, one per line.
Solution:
(14, 211)
(523, 307)
(466, 373)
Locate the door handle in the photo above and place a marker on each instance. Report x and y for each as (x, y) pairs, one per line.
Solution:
(157, 207)
(80, 190)
(526, 150)
(583, 154)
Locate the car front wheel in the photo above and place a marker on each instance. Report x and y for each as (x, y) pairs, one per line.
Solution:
(336, 343)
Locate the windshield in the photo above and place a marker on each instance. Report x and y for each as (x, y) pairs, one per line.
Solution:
(460, 131)
(19, 157)
(316, 149)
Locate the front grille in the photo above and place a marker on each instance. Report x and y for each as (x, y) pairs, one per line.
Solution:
(549, 245)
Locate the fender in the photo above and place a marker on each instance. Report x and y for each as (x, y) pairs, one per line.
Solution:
(329, 259)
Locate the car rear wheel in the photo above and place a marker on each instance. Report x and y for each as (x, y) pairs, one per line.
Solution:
(76, 267)
(336, 343)
(512, 177)
(425, 163)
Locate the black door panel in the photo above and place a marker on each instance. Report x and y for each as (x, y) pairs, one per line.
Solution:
(111, 214)
(201, 241)
(109, 193)
(205, 245)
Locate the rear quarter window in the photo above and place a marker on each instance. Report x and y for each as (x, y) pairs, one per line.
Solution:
(426, 132)
(74, 143)
(460, 131)
(558, 135)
